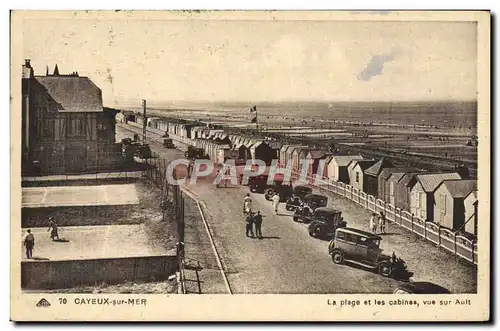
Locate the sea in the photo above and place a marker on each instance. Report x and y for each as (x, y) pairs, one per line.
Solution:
(439, 113)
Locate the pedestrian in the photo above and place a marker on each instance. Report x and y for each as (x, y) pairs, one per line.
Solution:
(29, 243)
(226, 175)
(276, 202)
(381, 222)
(217, 178)
(247, 204)
(373, 223)
(249, 225)
(189, 169)
(53, 226)
(257, 220)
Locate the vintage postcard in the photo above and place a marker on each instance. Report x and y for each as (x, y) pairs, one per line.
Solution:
(250, 166)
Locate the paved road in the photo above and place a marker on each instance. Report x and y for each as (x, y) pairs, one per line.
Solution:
(288, 260)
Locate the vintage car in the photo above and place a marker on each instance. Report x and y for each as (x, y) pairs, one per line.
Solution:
(324, 222)
(284, 190)
(168, 143)
(420, 288)
(362, 248)
(308, 205)
(194, 153)
(259, 183)
(299, 193)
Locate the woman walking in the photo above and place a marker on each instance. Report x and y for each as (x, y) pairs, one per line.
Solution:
(276, 202)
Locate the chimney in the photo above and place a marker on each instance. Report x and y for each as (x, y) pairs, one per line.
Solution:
(56, 71)
(47, 71)
(27, 69)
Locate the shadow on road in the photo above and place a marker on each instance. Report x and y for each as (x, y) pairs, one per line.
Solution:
(268, 237)
(61, 240)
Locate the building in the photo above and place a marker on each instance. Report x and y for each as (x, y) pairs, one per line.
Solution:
(372, 176)
(393, 189)
(422, 188)
(263, 151)
(385, 186)
(357, 176)
(471, 212)
(314, 157)
(337, 167)
(65, 128)
(449, 199)
(298, 157)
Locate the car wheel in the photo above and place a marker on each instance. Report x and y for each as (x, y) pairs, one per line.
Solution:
(295, 219)
(385, 269)
(269, 193)
(337, 257)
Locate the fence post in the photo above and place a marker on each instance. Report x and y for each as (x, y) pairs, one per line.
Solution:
(472, 250)
(439, 236)
(412, 223)
(425, 231)
(454, 242)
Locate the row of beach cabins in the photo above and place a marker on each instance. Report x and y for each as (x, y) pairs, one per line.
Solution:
(440, 197)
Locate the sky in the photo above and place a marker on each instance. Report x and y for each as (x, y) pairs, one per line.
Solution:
(256, 61)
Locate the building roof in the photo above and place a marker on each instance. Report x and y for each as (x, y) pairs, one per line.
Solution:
(430, 182)
(299, 150)
(317, 153)
(460, 188)
(473, 192)
(395, 177)
(274, 144)
(127, 112)
(364, 164)
(284, 148)
(328, 158)
(387, 172)
(73, 93)
(344, 160)
(375, 169)
(407, 177)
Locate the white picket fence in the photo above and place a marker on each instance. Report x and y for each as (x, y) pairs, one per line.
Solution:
(442, 237)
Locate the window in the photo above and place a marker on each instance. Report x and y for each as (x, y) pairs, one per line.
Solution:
(48, 128)
(422, 200)
(363, 241)
(357, 177)
(341, 235)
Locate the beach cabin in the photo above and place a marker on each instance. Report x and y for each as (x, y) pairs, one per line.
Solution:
(282, 156)
(422, 190)
(357, 177)
(384, 186)
(298, 157)
(449, 198)
(328, 159)
(337, 167)
(392, 188)
(314, 157)
(470, 205)
(262, 151)
(372, 176)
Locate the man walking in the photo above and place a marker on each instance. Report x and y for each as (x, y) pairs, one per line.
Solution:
(276, 202)
(373, 223)
(257, 220)
(29, 243)
(249, 225)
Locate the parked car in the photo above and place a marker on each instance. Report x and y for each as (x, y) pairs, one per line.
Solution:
(420, 288)
(299, 193)
(168, 143)
(308, 205)
(259, 183)
(363, 249)
(284, 190)
(324, 222)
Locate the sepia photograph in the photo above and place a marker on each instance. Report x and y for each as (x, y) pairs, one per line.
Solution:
(228, 155)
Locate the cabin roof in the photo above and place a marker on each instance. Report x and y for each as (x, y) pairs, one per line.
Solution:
(375, 169)
(430, 182)
(460, 188)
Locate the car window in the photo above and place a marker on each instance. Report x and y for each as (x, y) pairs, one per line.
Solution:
(401, 291)
(341, 235)
(362, 241)
(351, 238)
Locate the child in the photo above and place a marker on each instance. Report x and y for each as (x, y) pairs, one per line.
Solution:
(373, 223)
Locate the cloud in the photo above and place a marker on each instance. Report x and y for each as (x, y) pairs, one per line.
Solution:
(374, 67)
